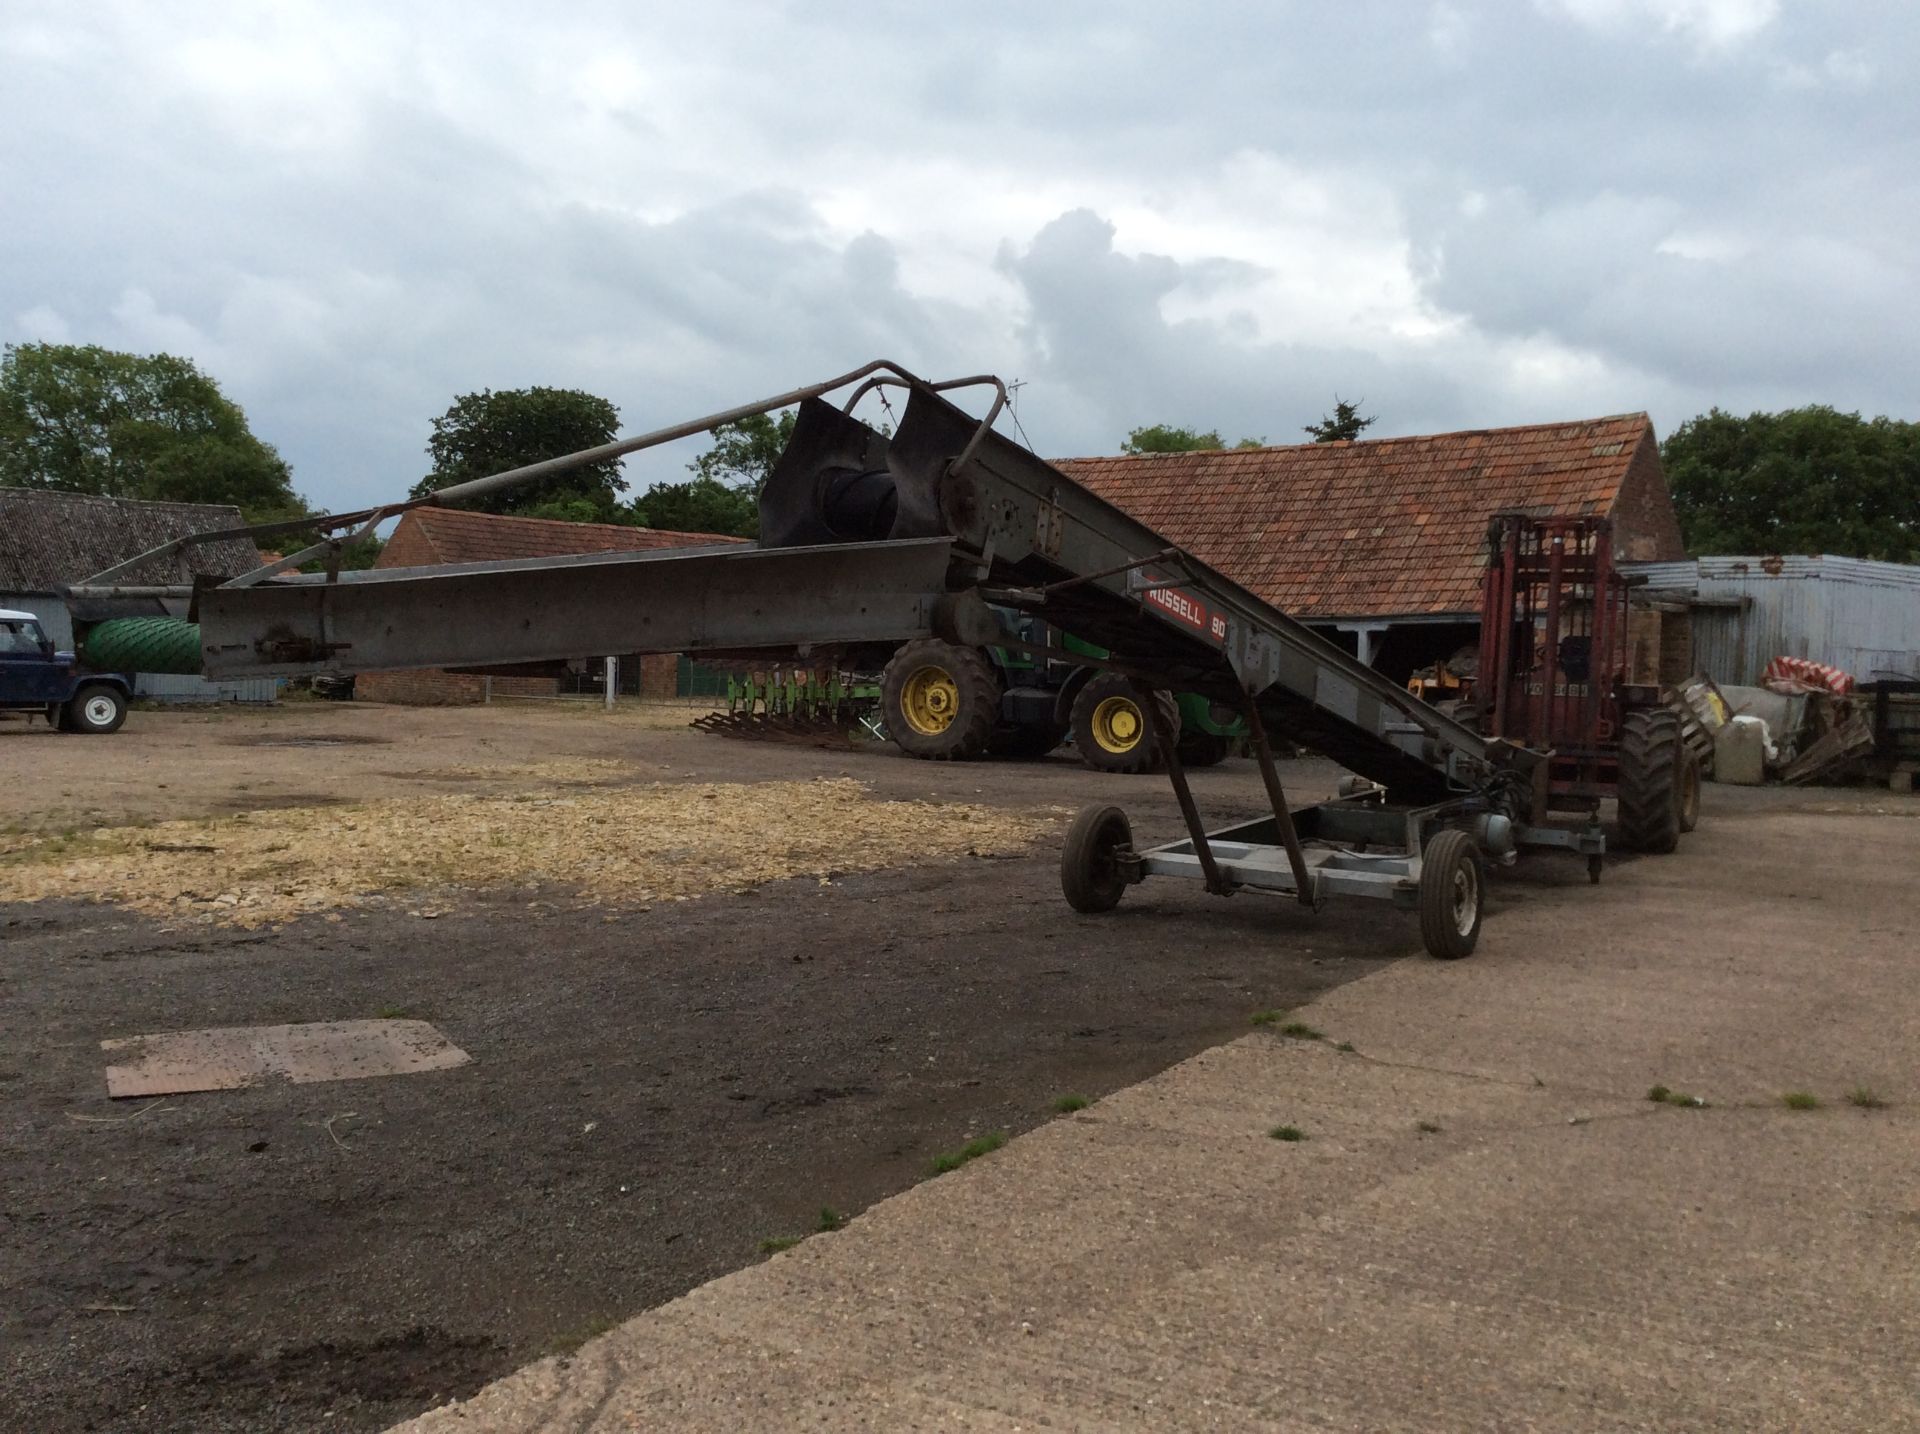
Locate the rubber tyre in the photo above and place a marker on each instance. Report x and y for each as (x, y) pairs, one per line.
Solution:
(1689, 792)
(95, 711)
(1025, 744)
(1453, 895)
(975, 700)
(1649, 789)
(1110, 687)
(1204, 749)
(1088, 876)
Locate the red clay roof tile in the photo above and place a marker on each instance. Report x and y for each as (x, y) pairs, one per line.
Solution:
(1368, 529)
(456, 535)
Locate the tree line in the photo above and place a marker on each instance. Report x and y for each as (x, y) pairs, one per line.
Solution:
(91, 420)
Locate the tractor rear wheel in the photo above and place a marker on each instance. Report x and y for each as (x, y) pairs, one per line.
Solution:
(1089, 874)
(1114, 725)
(1453, 885)
(1649, 787)
(941, 701)
(1689, 793)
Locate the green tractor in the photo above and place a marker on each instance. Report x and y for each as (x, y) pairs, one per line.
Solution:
(945, 702)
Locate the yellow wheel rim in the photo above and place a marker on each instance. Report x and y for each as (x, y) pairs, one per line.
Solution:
(930, 700)
(1118, 725)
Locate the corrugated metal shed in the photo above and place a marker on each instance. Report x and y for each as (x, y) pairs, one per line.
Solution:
(1852, 613)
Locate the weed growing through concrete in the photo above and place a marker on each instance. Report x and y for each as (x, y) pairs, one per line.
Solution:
(1301, 1031)
(1267, 1018)
(1800, 1100)
(1068, 1104)
(774, 1244)
(396, 1013)
(1426, 1127)
(1344, 1047)
(1866, 1098)
(830, 1220)
(1288, 1133)
(972, 1150)
(1660, 1095)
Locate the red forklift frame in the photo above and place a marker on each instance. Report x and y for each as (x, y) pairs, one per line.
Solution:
(1553, 651)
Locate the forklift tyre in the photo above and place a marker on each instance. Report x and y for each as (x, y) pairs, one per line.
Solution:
(1651, 757)
(940, 701)
(1089, 875)
(95, 711)
(1453, 885)
(1689, 793)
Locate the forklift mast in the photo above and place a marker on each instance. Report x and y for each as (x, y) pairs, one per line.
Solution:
(1553, 647)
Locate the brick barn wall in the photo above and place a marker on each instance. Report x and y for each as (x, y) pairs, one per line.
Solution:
(1645, 527)
(409, 547)
(659, 675)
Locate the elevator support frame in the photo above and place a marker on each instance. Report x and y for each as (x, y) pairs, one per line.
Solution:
(870, 539)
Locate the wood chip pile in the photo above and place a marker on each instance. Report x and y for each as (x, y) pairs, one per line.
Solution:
(626, 846)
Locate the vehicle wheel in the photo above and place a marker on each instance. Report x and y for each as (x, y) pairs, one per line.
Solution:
(1089, 875)
(1205, 749)
(1649, 786)
(940, 700)
(1453, 883)
(1113, 725)
(1689, 792)
(1025, 744)
(95, 710)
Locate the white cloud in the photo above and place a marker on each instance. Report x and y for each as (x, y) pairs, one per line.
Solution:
(1711, 24)
(349, 212)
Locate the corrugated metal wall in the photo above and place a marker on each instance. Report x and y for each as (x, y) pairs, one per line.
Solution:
(1852, 613)
(52, 612)
(166, 687)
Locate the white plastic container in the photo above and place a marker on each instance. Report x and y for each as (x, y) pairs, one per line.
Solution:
(1740, 752)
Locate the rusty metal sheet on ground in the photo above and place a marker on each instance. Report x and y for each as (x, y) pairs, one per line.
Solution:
(230, 1057)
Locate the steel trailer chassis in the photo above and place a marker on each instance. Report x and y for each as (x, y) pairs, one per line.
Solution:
(873, 539)
(1429, 858)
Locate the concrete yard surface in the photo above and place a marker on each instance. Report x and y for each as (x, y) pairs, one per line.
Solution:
(1487, 1225)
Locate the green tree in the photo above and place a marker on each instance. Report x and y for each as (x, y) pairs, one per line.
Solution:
(488, 432)
(744, 452)
(1168, 438)
(91, 420)
(700, 505)
(1804, 480)
(1343, 425)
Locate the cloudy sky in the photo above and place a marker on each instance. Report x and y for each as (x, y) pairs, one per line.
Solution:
(1467, 214)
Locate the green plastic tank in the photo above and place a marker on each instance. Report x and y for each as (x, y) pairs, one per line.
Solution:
(142, 644)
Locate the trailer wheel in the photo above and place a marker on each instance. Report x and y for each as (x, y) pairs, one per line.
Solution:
(1689, 792)
(95, 710)
(1453, 885)
(1649, 788)
(940, 701)
(1113, 725)
(1089, 875)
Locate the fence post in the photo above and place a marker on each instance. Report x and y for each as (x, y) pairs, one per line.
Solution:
(612, 680)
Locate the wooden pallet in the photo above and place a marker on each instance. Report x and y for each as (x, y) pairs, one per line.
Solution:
(1702, 711)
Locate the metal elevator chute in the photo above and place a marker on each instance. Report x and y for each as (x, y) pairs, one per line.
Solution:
(869, 540)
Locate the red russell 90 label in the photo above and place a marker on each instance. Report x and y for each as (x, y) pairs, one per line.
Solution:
(1184, 607)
